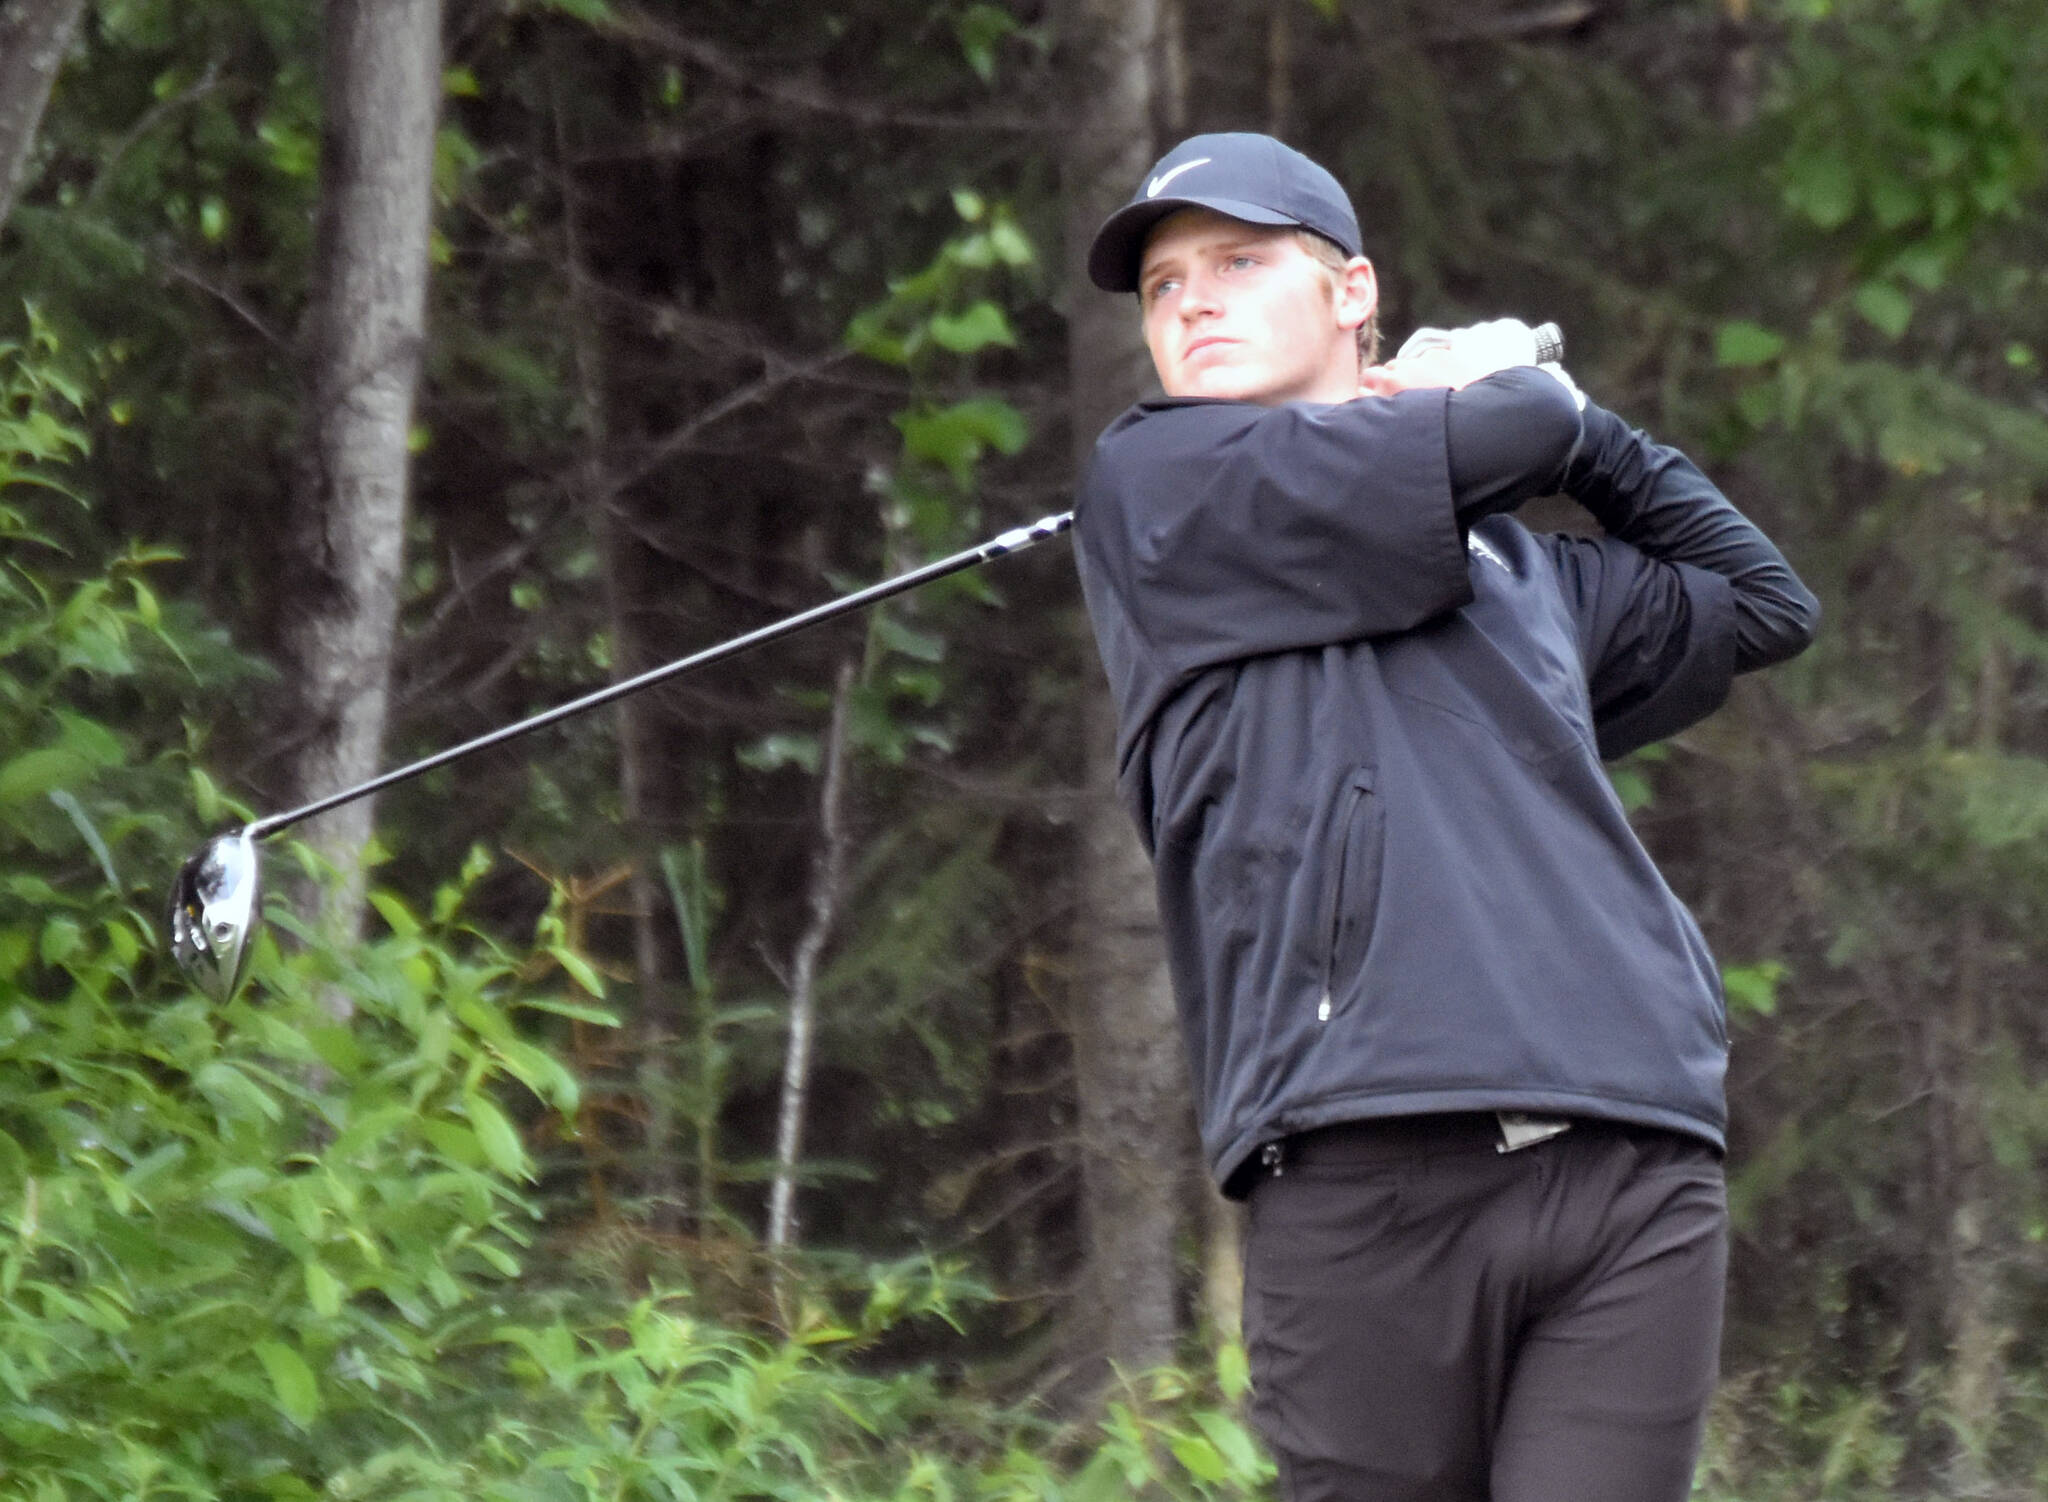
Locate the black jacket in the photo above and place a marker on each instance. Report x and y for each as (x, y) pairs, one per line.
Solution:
(1363, 746)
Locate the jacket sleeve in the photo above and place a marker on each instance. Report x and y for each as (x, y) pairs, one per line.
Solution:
(1683, 593)
(1227, 530)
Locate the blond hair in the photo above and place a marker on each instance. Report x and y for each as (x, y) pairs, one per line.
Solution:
(1333, 258)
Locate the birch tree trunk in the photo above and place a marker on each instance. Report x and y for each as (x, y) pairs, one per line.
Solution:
(1129, 1073)
(828, 886)
(363, 332)
(33, 37)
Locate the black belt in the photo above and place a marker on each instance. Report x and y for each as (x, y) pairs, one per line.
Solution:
(1388, 1139)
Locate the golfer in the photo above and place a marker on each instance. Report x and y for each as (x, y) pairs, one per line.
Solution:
(1451, 1034)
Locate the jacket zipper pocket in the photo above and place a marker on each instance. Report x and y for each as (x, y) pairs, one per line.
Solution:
(1355, 794)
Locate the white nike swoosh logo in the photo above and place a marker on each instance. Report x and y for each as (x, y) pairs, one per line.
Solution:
(1153, 188)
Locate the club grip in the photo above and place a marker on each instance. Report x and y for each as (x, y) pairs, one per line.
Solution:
(1549, 343)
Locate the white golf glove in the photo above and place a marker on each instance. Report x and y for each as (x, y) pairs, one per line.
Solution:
(1498, 344)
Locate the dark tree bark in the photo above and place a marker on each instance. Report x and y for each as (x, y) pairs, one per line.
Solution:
(673, 257)
(657, 1023)
(364, 328)
(1974, 1323)
(1129, 1072)
(33, 37)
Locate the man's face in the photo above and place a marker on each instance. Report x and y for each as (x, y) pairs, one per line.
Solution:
(1241, 311)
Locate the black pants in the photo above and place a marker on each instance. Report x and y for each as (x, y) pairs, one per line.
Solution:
(1431, 1320)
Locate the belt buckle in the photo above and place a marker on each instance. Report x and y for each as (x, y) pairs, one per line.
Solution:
(1519, 1129)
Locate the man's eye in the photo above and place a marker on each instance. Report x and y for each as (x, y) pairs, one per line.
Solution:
(1160, 288)
(1239, 262)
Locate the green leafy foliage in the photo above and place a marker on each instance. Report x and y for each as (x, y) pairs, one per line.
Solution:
(252, 1251)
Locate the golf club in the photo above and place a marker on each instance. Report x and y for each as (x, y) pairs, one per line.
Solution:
(216, 901)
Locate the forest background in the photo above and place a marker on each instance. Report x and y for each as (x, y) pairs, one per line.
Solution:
(765, 1089)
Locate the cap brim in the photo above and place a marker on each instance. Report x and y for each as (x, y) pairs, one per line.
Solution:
(1119, 246)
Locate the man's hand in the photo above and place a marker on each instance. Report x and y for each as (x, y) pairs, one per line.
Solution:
(1437, 365)
(1457, 357)
(1442, 357)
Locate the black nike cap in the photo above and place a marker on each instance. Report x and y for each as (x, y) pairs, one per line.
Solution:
(1250, 177)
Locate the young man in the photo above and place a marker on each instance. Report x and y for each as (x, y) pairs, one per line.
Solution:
(1451, 1034)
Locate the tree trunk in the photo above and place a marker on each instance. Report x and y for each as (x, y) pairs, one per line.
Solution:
(1129, 1071)
(828, 886)
(1977, 1333)
(656, 1022)
(33, 37)
(362, 356)
(1280, 71)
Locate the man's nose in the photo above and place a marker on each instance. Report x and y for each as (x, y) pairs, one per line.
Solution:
(1198, 298)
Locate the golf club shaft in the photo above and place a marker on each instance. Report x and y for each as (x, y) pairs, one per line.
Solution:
(1013, 541)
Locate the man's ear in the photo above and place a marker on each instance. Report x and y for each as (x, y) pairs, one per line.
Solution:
(1358, 293)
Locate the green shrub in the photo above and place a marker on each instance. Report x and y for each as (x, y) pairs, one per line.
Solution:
(249, 1252)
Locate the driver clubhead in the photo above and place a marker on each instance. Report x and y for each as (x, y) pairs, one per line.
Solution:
(214, 913)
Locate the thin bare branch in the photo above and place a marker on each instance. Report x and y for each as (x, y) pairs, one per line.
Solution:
(1513, 24)
(228, 299)
(636, 25)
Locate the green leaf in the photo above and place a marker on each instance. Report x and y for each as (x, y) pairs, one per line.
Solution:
(1233, 1441)
(1885, 306)
(297, 1392)
(580, 970)
(1199, 1458)
(496, 1134)
(75, 812)
(1753, 988)
(918, 645)
(977, 328)
(979, 28)
(16, 945)
(868, 333)
(1010, 245)
(956, 436)
(34, 773)
(996, 423)
(594, 1015)
(323, 1290)
(1822, 187)
(542, 1073)
(93, 741)
(453, 1141)
(61, 939)
(234, 1095)
(1739, 344)
(506, 1264)
(1102, 1480)
(773, 752)
(206, 799)
(394, 912)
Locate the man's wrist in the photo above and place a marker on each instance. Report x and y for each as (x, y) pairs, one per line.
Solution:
(1593, 475)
